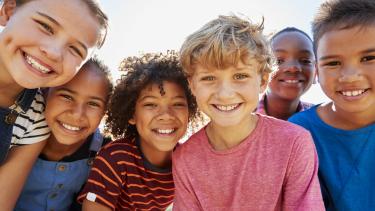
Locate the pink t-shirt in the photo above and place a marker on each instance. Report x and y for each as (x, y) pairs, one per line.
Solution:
(274, 168)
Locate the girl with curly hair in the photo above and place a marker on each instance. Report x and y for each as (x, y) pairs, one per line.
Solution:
(149, 113)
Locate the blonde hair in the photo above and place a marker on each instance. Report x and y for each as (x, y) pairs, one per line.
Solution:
(224, 42)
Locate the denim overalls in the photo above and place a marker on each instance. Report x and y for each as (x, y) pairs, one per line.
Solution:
(6, 129)
(52, 185)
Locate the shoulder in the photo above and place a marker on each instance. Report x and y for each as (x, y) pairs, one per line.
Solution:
(121, 149)
(195, 143)
(305, 117)
(280, 130)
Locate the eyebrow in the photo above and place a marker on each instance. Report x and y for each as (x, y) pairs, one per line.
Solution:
(301, 51)
(371, 50)
(328, 57)
(58, 24)
(153, 97)
(76, 93)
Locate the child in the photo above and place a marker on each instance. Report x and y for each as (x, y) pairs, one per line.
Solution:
(73, 113)
(240, 160)
(150, 109)
(43, 44)
(295, 58)
(344, 129)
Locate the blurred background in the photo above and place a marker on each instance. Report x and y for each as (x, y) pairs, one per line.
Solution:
(138, 26)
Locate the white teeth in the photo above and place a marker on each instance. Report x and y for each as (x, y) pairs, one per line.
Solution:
(165, 131)
(227, 107)
(291, 81)
(70, 127)
(353, 93)
(37, 65)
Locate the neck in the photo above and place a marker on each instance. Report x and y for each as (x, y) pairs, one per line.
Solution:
(280, 108)
(9, 89)
(224, 138)
(161, 159)
(54, 151)
(343, 120)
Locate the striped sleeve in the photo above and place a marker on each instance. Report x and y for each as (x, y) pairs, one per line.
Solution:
(104, 184)
(31, 126)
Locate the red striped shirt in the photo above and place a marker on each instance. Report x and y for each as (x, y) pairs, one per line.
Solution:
(122, 179)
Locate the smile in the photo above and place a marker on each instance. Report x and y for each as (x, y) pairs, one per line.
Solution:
(36, 65)
(291, 81)
(227, 107)
(70, 127)
(353, 93)
(164, 131)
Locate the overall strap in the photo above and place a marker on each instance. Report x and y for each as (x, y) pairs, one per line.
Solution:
(96, 144)
(97, 141)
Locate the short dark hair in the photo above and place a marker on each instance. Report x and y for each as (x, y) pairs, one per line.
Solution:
(103, 69)
(342, 14)
(290, 29)
(147, 69)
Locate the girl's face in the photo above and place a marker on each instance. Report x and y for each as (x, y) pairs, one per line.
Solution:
(296, 66)
(161, 120)
(75, 109)
(45, 42)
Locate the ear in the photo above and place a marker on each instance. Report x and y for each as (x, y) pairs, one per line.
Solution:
(131, 121)
(7, 9)
(191, 85)
(316, 76)
(264, 82)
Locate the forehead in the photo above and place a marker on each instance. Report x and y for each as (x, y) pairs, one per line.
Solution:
(88, 82)
(251, 65)
(171, 89)
(73, 16)
(346, 42)
(293, 41)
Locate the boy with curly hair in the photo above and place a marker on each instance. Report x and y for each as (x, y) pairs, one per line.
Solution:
(344, 129)
(241, 160)
(149, 112)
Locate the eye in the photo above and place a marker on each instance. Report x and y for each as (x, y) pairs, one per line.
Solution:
(331, 64)
(45, 27)
(76, 51)
(66, 97)
(94, 104)
(367, 58)
(306, 61)
(150, 105)
(180, 104)
(240, 76)
(279, 61)
(207, 78)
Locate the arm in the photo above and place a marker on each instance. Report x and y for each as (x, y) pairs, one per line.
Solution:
(14, 172)
(184, 198)
(104, 183)
(88, 205)
(301, 190)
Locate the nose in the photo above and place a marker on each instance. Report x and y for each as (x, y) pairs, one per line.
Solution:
(225, 91)
(166, 113)
(77, 112)
(350, 74)
(291, 66)
(52, 50)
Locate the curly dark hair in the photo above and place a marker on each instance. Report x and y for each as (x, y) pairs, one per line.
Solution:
(150, 68)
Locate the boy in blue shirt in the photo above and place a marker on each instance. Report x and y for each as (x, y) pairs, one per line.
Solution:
(344, 129)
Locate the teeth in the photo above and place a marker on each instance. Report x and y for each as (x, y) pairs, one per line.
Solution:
(37, 65)
(353, 93)
(226, 108)
(70, 127)
(291, 81)
(165, 131)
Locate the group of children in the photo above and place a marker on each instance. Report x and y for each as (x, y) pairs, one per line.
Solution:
(54, 95)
